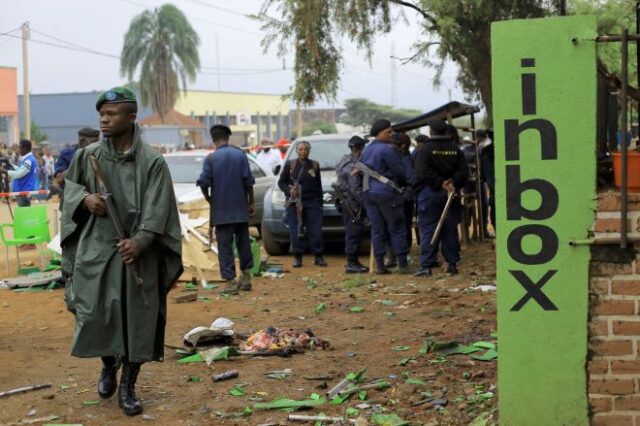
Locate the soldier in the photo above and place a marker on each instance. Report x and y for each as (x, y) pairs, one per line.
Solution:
(119, 317)
(226, 171)
(384, 201)
(441, 169)
(349, 190)
(301, 182)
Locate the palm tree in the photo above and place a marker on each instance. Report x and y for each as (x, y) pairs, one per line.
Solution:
(164, 46)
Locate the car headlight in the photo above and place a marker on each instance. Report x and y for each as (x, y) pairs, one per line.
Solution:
(278, 197)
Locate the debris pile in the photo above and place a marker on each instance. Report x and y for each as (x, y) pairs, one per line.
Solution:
(272, 339)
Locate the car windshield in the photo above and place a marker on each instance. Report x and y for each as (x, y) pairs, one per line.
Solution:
(185, 169)
(327, 153)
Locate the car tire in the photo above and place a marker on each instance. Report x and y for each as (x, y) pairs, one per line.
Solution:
(272, 247)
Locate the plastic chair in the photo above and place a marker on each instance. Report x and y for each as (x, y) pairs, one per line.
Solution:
(30, 226)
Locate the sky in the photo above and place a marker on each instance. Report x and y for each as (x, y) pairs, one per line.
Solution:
(229, 40)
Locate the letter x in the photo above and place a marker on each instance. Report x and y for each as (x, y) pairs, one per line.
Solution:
(534, 290)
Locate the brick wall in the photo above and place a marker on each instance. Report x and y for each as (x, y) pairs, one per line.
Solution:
(614, 319)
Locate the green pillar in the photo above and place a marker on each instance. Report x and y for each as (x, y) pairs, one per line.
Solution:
(544, 98)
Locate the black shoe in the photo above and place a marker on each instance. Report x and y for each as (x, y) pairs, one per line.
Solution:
(319, 261)
(108, 382)
(452, 269)
(423, 272)
(355, 268)
(127, 393)
(297, 262)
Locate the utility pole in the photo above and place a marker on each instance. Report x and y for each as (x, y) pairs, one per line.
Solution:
(394, 77)
(25, 79)
(218, 61)
(298, 121)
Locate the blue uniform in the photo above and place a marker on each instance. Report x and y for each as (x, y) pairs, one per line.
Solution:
(27, 182)
(226, 171)
(385, 207)
(351, 186)
(438, 160)
(64, 160)
(307, 174)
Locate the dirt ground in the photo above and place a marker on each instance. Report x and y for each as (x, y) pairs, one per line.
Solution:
(400, 312)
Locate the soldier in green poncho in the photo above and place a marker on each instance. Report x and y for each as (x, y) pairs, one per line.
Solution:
(116, 319)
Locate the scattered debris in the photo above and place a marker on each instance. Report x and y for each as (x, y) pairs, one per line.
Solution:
(229, 374)
(220, 330)
(186, 297)
(274, 339)
(319, 418)
(284, 403)
(33, 279)
(24, 390)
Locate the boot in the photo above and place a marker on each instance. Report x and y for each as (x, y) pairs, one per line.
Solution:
(244, 283)
(381, 269)
(354, 266)
(319, 260)
(297, 261)
(452, 269)
(108, 382)
(423, 272)
(230, 288)
(403, 265)
(127, 392)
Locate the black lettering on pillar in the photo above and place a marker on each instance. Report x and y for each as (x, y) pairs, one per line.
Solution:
(515, 188)
(548, 138)
(528, 88)
(547, 252)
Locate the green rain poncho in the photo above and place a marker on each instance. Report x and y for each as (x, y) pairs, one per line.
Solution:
(111, 318)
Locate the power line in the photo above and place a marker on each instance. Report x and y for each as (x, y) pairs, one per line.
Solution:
(223, 9)
(62, 46)
(77, 46)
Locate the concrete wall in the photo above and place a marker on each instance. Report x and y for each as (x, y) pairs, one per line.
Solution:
(614, 324)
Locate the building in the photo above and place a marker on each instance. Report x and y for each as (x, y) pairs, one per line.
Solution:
(251, 116)
(9, 133)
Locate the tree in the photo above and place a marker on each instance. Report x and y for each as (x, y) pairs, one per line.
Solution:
(163, 46)
(458, 31)
(362, 111)
(37, 134)
(315, 125)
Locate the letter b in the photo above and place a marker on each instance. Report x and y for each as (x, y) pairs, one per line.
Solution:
(515, 188)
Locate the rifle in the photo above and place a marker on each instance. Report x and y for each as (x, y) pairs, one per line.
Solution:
(342, 200)
(370, 173)
(298, 202)
(115, 221)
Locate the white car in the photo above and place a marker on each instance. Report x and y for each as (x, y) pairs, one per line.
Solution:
(186, 167)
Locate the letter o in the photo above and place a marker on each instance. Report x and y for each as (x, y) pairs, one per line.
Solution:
(547, 252)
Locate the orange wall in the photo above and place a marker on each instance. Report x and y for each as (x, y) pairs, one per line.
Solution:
(8, 91)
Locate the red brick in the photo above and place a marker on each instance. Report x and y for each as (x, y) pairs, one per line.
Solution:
(627, 403)
(598, 366)
(626, 287)
(600, 405)
(611, 386)
(612, 347)
(626, 328)
(598, 328)
(616, 420)
(614, 307)
(611, 202)
(607, 269)
(611, 225)
(600, 286)
(625, 366)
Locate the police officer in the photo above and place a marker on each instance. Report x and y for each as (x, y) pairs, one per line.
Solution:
(301, 182)
(384, 205)
(402, 143)
(441, 168)
(349, 188)
(226, 171)
(86, 136)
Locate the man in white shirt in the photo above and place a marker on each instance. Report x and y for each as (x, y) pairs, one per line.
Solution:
(268, 157)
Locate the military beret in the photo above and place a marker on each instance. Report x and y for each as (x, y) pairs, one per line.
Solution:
(379, 125)
(356, 141)
(116, 95)
(88, 132)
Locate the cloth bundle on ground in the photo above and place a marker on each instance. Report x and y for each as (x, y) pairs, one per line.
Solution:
(272, 339)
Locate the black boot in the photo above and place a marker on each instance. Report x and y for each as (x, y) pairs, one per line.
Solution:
(108, 381)
(354, 266)
(319, 260)
(381, 269)
(127, 391)
(297, 261)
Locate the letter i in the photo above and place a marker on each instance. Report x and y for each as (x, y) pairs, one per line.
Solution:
(528, 88)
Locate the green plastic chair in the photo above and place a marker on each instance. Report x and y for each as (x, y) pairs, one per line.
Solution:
(30, 226)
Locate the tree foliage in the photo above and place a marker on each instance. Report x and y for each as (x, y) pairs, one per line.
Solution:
(312, 126)
(163, 46)
(613, 17)
(362, 111)
(37, 134)
(454, 30)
